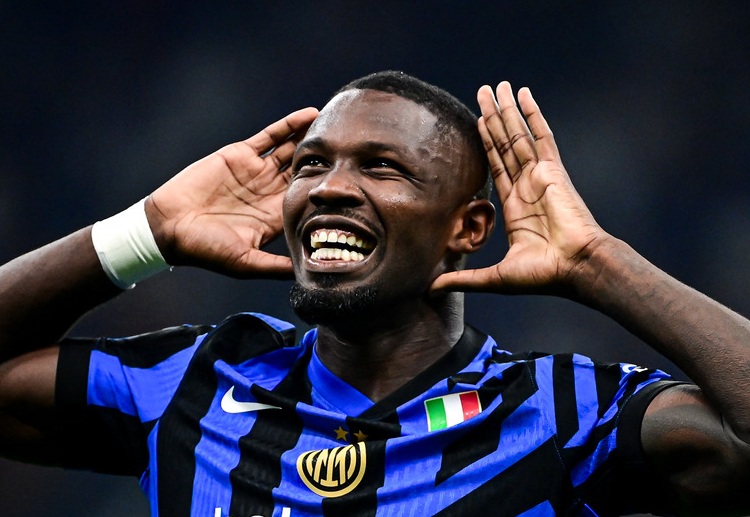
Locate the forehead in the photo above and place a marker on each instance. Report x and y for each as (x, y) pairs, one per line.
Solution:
(372, 115)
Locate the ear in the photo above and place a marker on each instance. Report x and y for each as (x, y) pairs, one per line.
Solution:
(473, 229)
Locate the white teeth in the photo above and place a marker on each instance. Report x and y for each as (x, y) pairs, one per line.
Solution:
(319, 237)
(337, 254)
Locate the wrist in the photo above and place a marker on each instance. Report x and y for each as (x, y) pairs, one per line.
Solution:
(615, 276)
(126, 247)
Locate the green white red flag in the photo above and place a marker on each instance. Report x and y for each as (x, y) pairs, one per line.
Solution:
(449, 410)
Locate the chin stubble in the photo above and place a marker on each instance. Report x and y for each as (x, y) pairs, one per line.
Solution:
(327, 305)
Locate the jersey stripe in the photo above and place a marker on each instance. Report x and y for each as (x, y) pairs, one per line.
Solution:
(179, 430)
(538, 475)
(259, 468)
(565, 399)
(551, 424)
(516, 385)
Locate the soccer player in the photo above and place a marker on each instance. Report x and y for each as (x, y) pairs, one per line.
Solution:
(391, 405)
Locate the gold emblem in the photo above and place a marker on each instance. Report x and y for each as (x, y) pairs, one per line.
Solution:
(333, 472)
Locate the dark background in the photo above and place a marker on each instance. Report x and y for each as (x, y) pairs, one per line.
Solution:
(102, 102)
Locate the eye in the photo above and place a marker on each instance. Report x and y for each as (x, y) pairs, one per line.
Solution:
(308, 165)
(386, 166)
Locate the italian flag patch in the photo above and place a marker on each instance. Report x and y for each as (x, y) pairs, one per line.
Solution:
(449, 410)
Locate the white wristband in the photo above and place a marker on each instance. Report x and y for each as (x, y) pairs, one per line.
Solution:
(126, 247)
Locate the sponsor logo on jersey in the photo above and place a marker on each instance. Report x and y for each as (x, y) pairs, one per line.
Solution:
(333, 472)
(449, 410)
(285, 512)
(630, 368)
(230, 405)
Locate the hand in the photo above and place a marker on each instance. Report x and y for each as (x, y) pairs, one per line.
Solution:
(550, 230)
(218, 212)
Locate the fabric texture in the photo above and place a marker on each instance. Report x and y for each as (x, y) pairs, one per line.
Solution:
(241, 420)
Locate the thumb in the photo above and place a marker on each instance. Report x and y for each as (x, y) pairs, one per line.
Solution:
(469, 280)
(261, 264)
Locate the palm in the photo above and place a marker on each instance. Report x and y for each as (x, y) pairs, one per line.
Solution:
(219, 211)
(548, 226)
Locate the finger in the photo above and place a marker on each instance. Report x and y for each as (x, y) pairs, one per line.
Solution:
(468, 280)
(261, 264)
(518, 132)
(498, 135)
(545, 140)
(497, 167)
(282, 154)
(275, 134)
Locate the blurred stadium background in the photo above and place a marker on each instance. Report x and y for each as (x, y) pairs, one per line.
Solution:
(103, 101)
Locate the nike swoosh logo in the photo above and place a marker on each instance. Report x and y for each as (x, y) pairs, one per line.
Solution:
(230, 405)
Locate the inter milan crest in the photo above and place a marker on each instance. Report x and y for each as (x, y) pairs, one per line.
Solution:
(333, 472)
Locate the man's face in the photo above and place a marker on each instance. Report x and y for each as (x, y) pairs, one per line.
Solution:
(372, 202)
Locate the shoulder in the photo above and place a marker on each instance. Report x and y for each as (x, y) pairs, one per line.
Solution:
(249, 334)
(581, 373)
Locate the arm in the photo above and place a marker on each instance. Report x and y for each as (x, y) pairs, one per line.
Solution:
(696, 437)
(215, 214)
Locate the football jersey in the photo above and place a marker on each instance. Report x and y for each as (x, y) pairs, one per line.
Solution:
(240, 420)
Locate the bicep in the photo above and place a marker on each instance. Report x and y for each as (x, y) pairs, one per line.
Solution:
(27, 406)
(688, 443)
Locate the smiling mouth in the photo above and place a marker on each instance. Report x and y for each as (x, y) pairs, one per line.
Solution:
(334, 244)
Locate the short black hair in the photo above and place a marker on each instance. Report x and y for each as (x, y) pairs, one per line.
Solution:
(450, 112)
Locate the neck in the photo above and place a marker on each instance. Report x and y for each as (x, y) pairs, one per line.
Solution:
(378, 355)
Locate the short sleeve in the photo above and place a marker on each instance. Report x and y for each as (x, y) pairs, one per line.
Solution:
(110, 393)
(623, 483)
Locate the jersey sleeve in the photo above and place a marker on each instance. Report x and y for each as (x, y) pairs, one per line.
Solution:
(614, 478)
(111, 392)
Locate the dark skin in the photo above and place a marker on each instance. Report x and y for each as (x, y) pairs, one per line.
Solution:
(340, 180)
(220, 211)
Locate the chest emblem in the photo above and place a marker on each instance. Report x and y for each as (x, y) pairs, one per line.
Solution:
(449, 410)
(333, 472)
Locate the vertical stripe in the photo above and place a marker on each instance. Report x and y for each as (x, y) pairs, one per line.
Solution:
(454, 413)
(587, 400)
(436, 418)
(470, 404)
(259, 470)
(238, 339)
(363, 500)
(565, 402)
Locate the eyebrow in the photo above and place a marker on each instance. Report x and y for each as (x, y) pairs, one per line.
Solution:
(370, 146)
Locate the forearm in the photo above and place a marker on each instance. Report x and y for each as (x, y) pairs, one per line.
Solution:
(44, 292)
(706, 340)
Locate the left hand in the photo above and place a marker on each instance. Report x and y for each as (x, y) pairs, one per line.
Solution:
(550, 230)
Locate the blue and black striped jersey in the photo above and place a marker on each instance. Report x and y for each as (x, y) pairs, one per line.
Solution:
(240, 420)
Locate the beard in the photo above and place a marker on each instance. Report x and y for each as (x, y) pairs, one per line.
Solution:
(326, 305)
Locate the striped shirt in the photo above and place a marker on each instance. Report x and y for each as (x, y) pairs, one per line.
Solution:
(241, 420)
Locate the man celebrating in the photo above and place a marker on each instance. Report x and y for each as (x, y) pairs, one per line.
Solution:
(391, 405)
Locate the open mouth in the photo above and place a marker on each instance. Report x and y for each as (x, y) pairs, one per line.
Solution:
(335, 244)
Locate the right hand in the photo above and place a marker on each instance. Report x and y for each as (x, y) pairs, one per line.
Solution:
(218, 212)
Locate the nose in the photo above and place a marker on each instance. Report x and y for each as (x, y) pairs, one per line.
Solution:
(338, 187)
